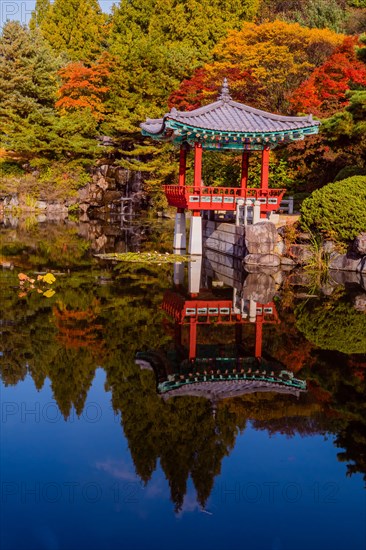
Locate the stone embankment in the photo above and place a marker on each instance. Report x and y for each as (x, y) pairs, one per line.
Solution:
(263, 245)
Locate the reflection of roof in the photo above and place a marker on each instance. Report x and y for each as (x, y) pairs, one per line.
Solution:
(223, 389)
(221, 386)
(229, 117)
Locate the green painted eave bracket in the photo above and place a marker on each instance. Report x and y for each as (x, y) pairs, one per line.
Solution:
(213, 140)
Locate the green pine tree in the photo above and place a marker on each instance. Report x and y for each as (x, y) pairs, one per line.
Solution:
(28, 81)
(29, 124)
(76, 28)
(40, 13)
(155, 46)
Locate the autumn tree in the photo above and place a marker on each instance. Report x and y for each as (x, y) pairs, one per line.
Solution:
(84, 87)
(265, 63)
(339, 151)
(40, 13)
(325, 91)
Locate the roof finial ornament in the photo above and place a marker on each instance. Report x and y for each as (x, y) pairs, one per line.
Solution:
(225, 94)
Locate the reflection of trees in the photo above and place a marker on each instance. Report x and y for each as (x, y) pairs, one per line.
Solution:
(183, 433)
(79, 328)
(71, 373)
(26, 332)
(118, 314)
(284, 341)
(339, 377)
(333, 324)
(45, 245)
(84, 325)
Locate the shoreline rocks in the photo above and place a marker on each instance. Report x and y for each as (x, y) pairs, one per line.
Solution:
(110, 189)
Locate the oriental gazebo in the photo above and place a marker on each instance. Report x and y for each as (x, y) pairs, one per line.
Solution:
(224, 125)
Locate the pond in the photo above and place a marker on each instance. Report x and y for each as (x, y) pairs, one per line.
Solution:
(192, 405)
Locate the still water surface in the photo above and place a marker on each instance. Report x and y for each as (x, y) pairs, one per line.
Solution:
(158, 406)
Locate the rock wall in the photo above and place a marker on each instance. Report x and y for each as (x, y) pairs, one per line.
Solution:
(111, 189)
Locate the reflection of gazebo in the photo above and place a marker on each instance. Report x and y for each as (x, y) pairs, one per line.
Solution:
(224, 125)
(209, 310)
(209, 375)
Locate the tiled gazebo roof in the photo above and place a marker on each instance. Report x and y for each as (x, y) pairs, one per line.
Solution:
(230, 125)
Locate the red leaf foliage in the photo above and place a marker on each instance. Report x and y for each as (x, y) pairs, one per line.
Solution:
(204, 86)
(324, 92)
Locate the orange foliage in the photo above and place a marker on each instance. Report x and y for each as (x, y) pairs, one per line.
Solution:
(263, 63)
(324, 92)
(78, 328)
(321, 395)
(295, 356)
(84, 87)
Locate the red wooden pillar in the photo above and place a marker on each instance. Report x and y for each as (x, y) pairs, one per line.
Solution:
(182, 165)
(244, 170)
(258, 337)
(265, 169)
(192, 338)
(197, 164)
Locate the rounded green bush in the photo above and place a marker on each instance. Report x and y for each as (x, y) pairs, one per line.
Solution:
(338, 209)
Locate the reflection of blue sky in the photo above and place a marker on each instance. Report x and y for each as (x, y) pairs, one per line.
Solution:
(21, 10)
(273, 493)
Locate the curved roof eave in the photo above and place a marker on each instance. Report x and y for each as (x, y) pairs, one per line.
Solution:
(229, 116)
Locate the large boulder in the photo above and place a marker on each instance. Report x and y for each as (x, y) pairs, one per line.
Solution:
(344, 262)
(344, 277)
(265, 260)
(301, 253)
(287, 262)
(359, 244)
(360, 302)
(261, 238)
(259, 287)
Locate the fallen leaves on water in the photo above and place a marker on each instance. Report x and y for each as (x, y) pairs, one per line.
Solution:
(49, 293)
(28, 284)
(145, 257)
(49, 278)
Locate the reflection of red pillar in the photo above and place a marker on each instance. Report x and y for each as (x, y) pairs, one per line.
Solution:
(197, 164)
(244, 170)
(178, 334)
(265, 169)
(192, 338)
(238, 334)
(182, 165)
(258, 337)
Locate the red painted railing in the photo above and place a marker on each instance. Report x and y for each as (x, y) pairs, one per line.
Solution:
(221, 198)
